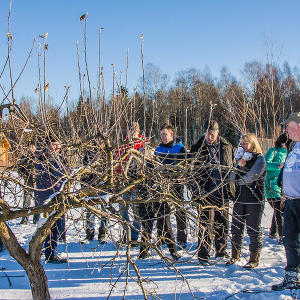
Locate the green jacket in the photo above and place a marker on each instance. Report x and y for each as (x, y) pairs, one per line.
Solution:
(274, 157)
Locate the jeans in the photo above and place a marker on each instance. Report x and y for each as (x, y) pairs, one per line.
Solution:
(52, 239)
(291, 233)
(124, 212)
(90, 221)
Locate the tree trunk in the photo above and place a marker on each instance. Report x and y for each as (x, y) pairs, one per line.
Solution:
(33, 267)
(38, 281)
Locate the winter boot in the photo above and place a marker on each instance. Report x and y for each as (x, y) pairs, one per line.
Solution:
(223, 254)
(235, 256)
(123, 240)
(101, 235)
(56, 260)
(90, 234)
(291, 281)
(181, 245)
(204, 262)
(253, 261)
(144, 252)
(175, 255)
(273, 236)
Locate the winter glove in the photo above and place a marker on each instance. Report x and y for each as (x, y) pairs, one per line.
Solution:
(247, 156)
(238, 153)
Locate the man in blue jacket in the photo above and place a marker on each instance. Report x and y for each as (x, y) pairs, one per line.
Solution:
(170, 152)
(167, 153)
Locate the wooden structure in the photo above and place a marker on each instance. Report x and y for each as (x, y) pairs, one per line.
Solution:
(4, 148)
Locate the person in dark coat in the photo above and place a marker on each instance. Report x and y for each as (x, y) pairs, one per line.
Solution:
(250, 199)
(212, 185)
(167, 152)
(50, 168)
(275, 158)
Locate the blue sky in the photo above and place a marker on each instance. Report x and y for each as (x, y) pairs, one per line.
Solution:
(178, 35)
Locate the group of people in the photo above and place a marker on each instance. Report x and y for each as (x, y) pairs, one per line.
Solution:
(217, 175)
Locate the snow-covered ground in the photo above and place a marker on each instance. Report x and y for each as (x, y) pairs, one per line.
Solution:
(90, 274)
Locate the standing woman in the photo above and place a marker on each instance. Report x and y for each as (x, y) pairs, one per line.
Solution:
(275, 158)
(249, 201)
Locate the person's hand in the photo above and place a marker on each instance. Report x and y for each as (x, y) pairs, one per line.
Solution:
(242, 162)
(32, 148)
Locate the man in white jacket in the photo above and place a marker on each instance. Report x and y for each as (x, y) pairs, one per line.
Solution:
(291, 191)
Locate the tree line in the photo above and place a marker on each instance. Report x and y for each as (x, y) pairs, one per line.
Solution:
(263, 97)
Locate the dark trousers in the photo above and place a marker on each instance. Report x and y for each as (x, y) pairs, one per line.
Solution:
(52, 239)
(276, 225)
(291, 233)
(124, 211)
(149, 212)
(180, 215)
(212, 222)
(248, 214)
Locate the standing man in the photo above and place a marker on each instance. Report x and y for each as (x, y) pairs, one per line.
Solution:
(167, 153)
(172, 152)
(291, 223)
(50, 168)
(213, 187)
